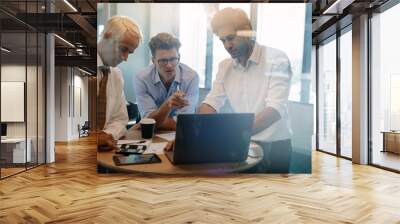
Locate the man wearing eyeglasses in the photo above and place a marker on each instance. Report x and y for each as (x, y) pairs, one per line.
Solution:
(167, 87)
(120, 37)
(256, 79)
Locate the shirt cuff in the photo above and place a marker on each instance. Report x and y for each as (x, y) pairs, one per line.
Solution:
(115, 134)
(111, 133)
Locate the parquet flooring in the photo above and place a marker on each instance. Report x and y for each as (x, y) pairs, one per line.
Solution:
(10, 171)
(71, 191)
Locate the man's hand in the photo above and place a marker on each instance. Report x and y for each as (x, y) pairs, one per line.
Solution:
(177, 100)
(169, 146)
(105, 142)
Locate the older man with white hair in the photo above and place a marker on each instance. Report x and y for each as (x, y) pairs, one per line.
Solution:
(120, 37)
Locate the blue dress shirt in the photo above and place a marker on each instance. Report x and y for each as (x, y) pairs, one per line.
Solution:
(151, 92)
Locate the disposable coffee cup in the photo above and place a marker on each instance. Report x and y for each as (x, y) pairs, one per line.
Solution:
(147, 127)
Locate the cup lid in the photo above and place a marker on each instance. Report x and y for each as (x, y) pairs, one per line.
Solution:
(147, 121)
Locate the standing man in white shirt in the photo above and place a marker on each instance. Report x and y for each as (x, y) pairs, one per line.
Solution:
(120, 37)
(256, 79)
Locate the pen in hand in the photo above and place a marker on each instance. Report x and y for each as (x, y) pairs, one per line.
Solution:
(181, 96)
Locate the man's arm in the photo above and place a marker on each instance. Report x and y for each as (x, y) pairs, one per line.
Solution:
(163, 122)
(148, 107)
(264, 119)
(215, 99)
(191, 97)
(206, 109)
(105, 141)
(116, 126)
(278, 93)
(161, 115)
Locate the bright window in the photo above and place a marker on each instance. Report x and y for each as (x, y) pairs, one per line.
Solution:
(385, 83)
(281, 26)
(327, 97)
(346, 94)
(193, 36)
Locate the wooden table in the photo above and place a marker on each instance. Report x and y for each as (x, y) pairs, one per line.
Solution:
(166, 167)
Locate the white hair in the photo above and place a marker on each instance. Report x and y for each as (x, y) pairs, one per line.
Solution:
(117, 26)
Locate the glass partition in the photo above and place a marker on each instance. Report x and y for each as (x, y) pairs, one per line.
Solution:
(327, 97)
(14, 151)
(22, 88)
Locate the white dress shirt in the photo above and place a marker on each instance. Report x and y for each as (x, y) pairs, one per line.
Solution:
(263, 82)
(116, 112)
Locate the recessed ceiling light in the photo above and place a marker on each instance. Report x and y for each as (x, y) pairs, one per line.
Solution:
(86, 72)
(64, 40)
(337, 7)
(71, 6)
(5, 50)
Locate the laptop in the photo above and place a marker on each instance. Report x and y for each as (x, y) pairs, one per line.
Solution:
(211, 138)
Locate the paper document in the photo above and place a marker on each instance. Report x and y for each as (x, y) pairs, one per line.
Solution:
(167, 136)
(157, 148)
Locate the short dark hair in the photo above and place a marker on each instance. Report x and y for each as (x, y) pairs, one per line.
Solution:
(235, 18)
(163, 41)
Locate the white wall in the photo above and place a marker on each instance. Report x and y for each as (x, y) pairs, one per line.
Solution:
(61, 104)
(17, 73)
(33, 127)
(69, 85)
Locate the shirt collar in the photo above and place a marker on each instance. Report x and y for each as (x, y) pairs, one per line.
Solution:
(100, 65)
(156, 76)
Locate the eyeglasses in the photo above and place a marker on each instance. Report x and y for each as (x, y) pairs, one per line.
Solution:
(173, 61)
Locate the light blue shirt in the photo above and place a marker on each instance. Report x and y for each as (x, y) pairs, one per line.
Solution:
(151, 92)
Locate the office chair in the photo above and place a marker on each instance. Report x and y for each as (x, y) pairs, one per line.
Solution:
(133, 114)
(84, 130)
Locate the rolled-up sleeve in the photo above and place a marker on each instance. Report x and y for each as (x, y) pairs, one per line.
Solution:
(144, 101)
(217, 96)
(192, 95)
(279, 85)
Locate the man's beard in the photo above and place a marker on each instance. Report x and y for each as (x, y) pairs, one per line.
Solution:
(240, 51)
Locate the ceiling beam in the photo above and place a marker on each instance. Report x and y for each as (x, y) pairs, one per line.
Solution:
(81, 61)
(89, 30)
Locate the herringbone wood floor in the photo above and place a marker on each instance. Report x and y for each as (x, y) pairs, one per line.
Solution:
(71, 191)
